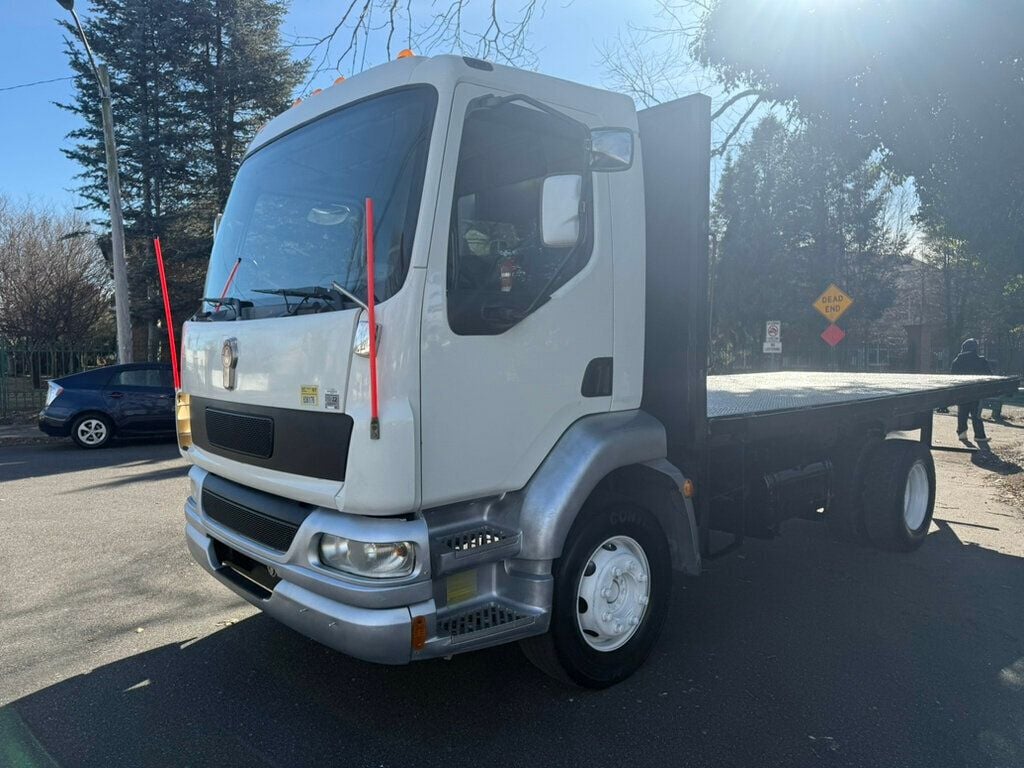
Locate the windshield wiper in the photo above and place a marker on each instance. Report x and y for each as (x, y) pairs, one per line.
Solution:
(228, 302)
(333, 295)
(312, 292)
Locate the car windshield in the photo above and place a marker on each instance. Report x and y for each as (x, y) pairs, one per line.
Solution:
(294, 219)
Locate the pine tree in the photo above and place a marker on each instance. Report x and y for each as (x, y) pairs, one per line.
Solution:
(192, 80)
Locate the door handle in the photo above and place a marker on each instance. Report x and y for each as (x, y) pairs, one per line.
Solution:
(117, 394)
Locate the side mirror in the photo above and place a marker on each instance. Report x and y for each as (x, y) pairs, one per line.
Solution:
(611, 149)
(216, 224)
(560, 210)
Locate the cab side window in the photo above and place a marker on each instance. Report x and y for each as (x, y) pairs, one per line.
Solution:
(499, 269)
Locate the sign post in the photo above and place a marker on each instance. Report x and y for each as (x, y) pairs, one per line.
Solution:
(832, 304)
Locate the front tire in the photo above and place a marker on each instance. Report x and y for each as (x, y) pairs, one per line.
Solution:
(92, 431)
(613, 583)
(899, 495)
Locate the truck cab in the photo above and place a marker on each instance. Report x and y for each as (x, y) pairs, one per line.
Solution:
(509, 359)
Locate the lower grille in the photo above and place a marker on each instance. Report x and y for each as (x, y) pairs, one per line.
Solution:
(268, 531)
(488, 618)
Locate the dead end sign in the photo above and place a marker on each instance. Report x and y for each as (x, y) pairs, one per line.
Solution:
(833, 303)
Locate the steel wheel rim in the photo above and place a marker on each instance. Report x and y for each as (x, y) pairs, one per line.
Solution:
(613, 593)
(915, 496)
(92, 431)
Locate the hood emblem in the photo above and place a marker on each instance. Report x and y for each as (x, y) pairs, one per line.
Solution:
(229, 361)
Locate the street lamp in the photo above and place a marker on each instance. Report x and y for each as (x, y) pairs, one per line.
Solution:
(121, 305)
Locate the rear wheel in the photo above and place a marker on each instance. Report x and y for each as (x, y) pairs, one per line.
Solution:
(92, 431)
(612, 589)
(899, 495)
(845, 515)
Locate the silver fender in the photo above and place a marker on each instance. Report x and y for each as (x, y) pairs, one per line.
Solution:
(627, 448)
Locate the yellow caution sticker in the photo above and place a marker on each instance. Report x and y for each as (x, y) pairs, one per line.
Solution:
(309, 394)
(461, 587)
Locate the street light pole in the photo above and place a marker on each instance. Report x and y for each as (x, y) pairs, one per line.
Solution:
(121, 303)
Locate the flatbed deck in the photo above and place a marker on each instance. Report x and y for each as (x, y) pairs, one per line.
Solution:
(759, 402)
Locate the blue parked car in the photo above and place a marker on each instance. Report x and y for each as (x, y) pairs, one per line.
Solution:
(132, 400)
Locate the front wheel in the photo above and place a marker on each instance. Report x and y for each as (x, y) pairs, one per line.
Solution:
(612, 589)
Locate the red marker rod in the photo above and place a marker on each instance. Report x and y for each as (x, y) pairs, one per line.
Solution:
(371, 316)
(172, 345)
(231, 279)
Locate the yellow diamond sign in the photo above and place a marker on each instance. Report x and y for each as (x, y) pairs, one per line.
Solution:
(833, 303)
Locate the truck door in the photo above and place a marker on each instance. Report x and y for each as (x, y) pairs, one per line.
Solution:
(511, 321)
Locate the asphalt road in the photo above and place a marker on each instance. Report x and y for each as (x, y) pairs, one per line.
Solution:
(116, 650)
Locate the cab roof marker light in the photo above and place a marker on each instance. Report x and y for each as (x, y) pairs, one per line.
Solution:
(405, 53)
(317, 92)
(339, 80)
(296, 102)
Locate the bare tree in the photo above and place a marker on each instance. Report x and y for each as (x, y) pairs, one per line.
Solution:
(54, 284)
(487, 29)
(657, 62)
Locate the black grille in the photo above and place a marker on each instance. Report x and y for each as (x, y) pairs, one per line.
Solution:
(273, 533)
(251, 435)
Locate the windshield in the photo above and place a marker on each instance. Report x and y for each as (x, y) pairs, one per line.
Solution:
(294, 220)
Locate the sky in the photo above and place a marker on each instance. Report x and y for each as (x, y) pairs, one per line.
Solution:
(566, 40)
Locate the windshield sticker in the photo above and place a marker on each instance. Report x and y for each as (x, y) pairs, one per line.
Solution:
(332, 399)
(309, 394)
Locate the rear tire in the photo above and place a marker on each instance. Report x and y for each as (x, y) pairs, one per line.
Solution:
(899, 495)
(92, 430)
(845, 516)
(616, 560)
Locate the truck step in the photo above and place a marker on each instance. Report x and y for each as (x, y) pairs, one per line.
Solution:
(482, 620)
(484, 543)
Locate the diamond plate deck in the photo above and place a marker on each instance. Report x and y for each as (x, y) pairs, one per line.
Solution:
(750, 394)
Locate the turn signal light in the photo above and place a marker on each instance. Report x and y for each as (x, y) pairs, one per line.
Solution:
(419, 632)
(688, 488)
(183, 419)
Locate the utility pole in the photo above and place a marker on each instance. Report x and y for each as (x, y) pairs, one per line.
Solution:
(121, 303)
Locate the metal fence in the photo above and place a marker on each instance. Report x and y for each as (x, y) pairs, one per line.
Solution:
(26, 371)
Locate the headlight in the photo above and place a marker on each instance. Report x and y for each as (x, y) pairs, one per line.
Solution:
(379, 560)
(52, 392)
(183, 420)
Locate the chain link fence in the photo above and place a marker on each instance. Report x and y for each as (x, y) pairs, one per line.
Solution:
(26, 371)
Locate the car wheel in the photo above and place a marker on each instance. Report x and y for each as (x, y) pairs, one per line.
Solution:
(612, 589)
(92, 431)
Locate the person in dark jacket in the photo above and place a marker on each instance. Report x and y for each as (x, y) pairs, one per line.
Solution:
(969, 362)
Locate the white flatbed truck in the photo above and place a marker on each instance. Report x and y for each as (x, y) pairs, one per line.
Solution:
(512, 436)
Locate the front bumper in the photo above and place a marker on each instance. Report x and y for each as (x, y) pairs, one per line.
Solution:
(471, 601)
(378, 635)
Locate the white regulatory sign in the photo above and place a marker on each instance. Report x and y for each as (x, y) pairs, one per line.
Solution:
(772, 338)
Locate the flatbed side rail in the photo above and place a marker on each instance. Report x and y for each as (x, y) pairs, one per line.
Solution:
(886, 408)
